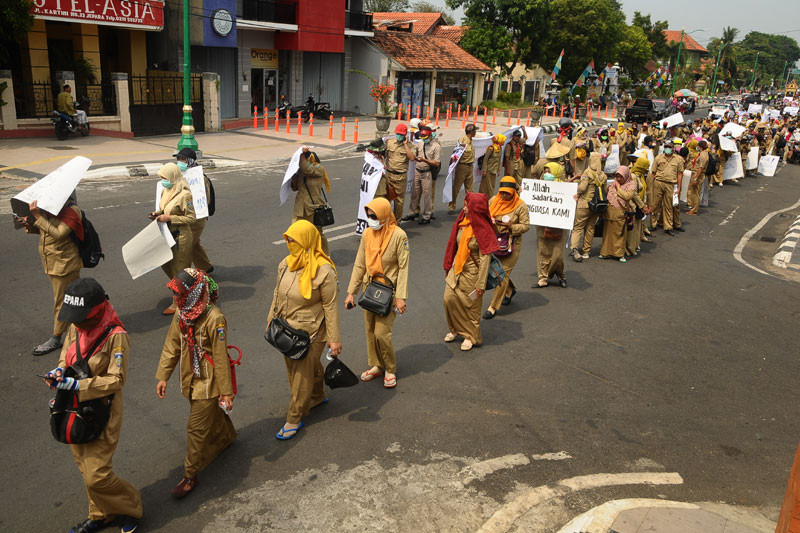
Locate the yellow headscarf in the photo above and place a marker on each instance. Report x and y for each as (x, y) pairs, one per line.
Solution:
(620, 127)
(556, 170)
(376, 242)
(171, 172)
(498, 141)
(641, 166)
(305, 253)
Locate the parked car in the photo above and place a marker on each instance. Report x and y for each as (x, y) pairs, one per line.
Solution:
(662, 108)
(642, 110)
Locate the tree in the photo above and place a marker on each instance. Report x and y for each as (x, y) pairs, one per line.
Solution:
(727, 59)
(505, 33)
(773, 51)
(427, 7)
(16, 20)
(386, 6)
(654, 31)
(633, 51)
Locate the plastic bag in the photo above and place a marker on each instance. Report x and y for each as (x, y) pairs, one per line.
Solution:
(338, 375)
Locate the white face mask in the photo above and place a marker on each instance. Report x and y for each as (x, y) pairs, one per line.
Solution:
(374, 224)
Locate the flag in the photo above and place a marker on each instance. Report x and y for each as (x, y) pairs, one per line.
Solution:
(663, 78)
(602, 77)
(582, 78)
(557, 68)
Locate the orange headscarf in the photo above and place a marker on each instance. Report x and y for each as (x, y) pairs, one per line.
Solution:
(499, 206)
(376, 242)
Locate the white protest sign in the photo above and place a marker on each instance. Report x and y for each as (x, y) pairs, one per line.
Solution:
(371, 174)
(734, 129)
(52, 191)
(687, 177)
(148, 250)
(612, 161)
(728, 144)
(733, 167)
(672, 120)
(197, 184)
(704, 194)
(790, 110)
(675, 198)
(752, 158)
(754, 108)
(286, 184)
(768, 165)
(550, 203)
(480, 145)
(535, 135)
(159, 190)
(455, 157)
(774, 114)
(641, 140)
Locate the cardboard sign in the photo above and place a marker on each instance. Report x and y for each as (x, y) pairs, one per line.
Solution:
(148, 250)
(754, 108)
(734, 129)
(687, 177)
(294, 166)
(672, 120)
(197, 184)
(52, 191)
(728, 144)
(371, 174)
(752, 158)
(768, 165)
(550, 203)
(733, 167)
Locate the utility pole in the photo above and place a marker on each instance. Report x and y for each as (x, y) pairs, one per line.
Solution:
(677, 63)
(754, 71)
(187, 130)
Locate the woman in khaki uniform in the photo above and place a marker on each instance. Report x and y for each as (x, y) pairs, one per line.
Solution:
(306, 297)
(581, 159)
(592, 179)
(621, 191)
(197, 344)
(622, 140)
(310, 193)
(550, 242)
(511, 219)
(640, 170)
(94, 319)
(176, 209)
(186, 159)
(382, 253)
(60, 258)
(491, 165)
(466, 263)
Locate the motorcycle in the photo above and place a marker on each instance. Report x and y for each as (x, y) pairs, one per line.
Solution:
(294, 111)
(321, 110)
(64, 126)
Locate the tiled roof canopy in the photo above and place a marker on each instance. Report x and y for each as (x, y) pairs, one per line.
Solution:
(426, 52)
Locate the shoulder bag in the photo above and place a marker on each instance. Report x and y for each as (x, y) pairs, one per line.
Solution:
(496, 272)
(323, 214)
(291, 342)
(74, 422)
(378, 297)
(506, 243)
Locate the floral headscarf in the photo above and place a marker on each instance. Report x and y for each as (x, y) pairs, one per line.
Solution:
(194, 291)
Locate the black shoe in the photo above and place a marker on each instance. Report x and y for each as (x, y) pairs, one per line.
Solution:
(89, 526)
(51, 344)
(669, 232)
(410, 216)
(488, 315)
(433, 217)
(680, 228)
(507, 299)
(451, 213)
(423, 221)
(563, 283)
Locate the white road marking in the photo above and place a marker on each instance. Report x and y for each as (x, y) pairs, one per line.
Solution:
(737, 252)
(330, 230)
(344, 236)
(558, 456)
(502, 520)
(729, 217)
(484, 468)
(783, 256)
(602, 517)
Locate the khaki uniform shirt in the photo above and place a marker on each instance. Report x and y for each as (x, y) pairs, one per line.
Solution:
(569, 143)
(476, 268)
(309, 190)
(180, 209)
(699, 165)
(312, 314)
(432, 151)
(396, 156)
(581, 165)
(210, 334)
(511, 151)
(58, 251)
(491, 161)
(394, 261)
(667, 168)
(520, 219)
(468, 157)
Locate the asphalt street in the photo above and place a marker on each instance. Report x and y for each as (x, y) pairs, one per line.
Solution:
(680, 361)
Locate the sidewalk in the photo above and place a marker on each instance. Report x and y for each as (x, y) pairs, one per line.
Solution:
(33, 158)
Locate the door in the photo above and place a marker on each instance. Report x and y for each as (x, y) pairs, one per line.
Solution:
(271, 89)
(257, 90)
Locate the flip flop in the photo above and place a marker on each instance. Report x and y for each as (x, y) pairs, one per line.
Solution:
(323, 402)
(390, 383)
(284, 434)
(369, 375)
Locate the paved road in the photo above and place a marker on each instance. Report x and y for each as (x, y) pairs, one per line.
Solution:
(679, 364)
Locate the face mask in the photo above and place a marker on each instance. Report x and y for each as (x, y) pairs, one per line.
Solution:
(400, 138)
(182, 165)
(668, 151)
(548, 177)
(166, 184)
(374, 224)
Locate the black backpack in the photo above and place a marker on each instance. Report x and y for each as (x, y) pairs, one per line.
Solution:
(713, 164)
(211, 197)
(529, 154)
(89, 248)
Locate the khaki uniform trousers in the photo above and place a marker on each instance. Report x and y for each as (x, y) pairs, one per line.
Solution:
(59, 284)
(488, 183)
(199, 256)
(584, 221)
(423, 188)
(721, 170)
(208, 432)
(181, 253)
(380, 351)
(663, 203)
(306, 382)
(463, 177)
(398, 182)
(693, 194)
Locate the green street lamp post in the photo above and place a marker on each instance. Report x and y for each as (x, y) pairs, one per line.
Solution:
(678, 61)
(716, 67)
(755, 68)
(187, 130)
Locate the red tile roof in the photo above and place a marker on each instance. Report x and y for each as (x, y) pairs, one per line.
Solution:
(426, 52)
(454, 33)
(421, 23)
(674, 36)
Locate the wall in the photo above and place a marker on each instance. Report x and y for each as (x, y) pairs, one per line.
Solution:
(247, 40)
(364, 57)
(320, 27)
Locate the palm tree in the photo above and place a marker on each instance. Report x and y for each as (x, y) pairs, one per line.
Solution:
(728, 58)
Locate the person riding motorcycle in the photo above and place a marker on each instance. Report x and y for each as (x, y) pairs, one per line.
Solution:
(66, 106)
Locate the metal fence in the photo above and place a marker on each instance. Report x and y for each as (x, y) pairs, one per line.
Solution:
(164, 88)
(102, 98)
(35, 100)
(156, 103)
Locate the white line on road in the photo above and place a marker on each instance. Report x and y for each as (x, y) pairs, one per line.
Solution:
(602, 517)
(329, 230)
(737, 252)
(484, 468)
(502, 520)
(558, 456)
(729, 217)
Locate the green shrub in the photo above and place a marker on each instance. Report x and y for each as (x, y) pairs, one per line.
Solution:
(509, 98)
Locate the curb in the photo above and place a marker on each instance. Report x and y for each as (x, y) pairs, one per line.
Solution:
(783, 256)
(150, 169)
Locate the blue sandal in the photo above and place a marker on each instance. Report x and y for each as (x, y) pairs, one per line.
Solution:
(286, 434)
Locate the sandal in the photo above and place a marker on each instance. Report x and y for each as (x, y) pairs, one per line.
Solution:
(286, 434)
(369, 375)
(450, 337)
(390, 383)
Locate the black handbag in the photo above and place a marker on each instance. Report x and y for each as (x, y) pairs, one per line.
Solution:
(599, 202)
(291, 342)
(323, 215)
(337, 375)
(378, 297)
(74, 422)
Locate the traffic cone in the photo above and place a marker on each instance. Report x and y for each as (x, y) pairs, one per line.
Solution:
(344, 129)
(255, 117)
(299, 125)
(288, 122)
(355, 133)
(330, 128)
(277, 118)
(311, 126)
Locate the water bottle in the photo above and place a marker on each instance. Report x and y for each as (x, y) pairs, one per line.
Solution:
(222, 406)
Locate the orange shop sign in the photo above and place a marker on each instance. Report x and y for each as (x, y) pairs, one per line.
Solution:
(263, 58)
(137, 14)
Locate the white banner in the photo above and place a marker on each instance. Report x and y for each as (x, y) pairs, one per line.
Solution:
(790, 110)
(774, 114)
(286, 184)
(672, 120)
(754, 108)
(733, 167)
(371, 174)
(197, 184)
(734, 129)
(148, 250)
(768, 165)
(752, 158)
(728, 144)
(550, 203)
(455, 157)
(612, 162)
(52, 191)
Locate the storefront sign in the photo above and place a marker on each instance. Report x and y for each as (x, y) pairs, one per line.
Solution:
(139, 14)
(263, 58)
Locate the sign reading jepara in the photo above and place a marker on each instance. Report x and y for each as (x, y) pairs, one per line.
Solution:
(550, 203)
(139, 14)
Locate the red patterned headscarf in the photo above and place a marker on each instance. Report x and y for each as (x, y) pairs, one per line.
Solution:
(193, 292)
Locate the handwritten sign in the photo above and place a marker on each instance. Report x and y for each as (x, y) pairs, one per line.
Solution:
(371, 174)
(733, 167)
(52, 191)
(197, 184)
(551, 203)
(768, 165)
(148, 250)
